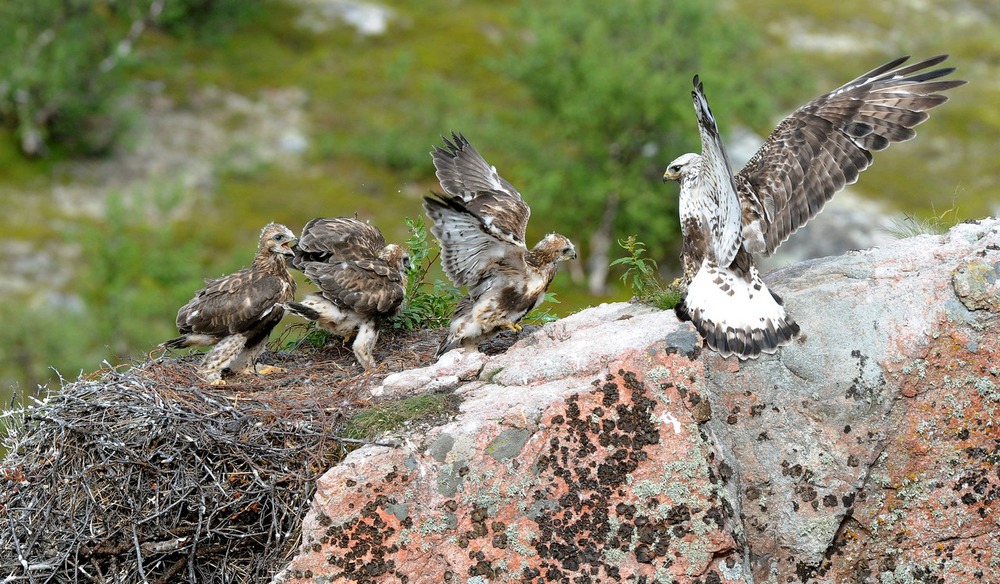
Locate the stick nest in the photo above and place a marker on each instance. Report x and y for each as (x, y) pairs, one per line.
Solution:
(149, 475)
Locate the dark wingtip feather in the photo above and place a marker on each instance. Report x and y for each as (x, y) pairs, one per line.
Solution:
(881, 69)
(175, 343)
(302, 310)
(447, 345)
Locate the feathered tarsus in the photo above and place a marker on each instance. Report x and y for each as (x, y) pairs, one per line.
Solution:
(236, 313)
(811, 155)
(480, 222)
(361, 280)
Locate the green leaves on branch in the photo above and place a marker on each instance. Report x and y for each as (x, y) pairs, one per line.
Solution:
(423, 309)
(640, 276)
(63, 65)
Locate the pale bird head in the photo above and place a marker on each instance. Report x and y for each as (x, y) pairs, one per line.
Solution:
(682, 167)
(395, 255)
(278, 239)
(562, 248)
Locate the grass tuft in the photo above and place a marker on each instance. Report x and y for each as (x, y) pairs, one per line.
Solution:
(910, 226)
(373, 422)
(641, 276)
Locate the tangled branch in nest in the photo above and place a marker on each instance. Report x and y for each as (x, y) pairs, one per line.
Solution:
(133, 478)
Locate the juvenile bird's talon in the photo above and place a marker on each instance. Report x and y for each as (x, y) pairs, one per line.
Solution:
(269, 369)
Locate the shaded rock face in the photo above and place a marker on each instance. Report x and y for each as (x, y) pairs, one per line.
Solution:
(608, 447)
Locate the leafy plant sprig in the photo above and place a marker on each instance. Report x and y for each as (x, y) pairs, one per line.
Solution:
(423, 309)
(540, 316)
(640, 276)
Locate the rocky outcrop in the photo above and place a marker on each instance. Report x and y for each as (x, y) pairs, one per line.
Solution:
(608, 447)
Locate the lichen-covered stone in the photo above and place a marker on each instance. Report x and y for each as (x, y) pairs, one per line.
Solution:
(976, 285)
(807, 433)
(608, 447)
(605, 479)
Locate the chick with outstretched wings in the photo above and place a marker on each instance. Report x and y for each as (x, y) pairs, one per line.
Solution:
(480, 223)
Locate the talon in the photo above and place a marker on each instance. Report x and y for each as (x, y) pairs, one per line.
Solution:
(218, 382)
(269, 369)
(513, 326)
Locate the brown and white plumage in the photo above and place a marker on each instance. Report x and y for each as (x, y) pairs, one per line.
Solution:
(361, 279)
(480, 222)
(236, 313)
(812, 154)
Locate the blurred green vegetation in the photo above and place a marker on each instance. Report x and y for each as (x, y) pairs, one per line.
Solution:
(572, 101)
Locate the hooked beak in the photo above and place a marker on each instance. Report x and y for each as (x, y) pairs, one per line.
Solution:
(288, 247)
(669, 176)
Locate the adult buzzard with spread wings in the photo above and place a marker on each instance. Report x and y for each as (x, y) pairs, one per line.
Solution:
(812, 154)
(237, 312)
(480, 222)
(361, 280)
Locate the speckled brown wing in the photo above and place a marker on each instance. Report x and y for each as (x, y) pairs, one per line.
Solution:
(233, 304)
(337, 237)
(464, 174)
(481, 220)
(472, 244)
(825, 144)
(368, 286)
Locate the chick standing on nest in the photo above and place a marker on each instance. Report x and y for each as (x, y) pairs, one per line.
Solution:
(361, 280)
(236, 313)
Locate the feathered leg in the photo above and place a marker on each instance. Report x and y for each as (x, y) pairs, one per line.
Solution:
(364, 345)
(221, 357)
(246, 362)
(464, 331)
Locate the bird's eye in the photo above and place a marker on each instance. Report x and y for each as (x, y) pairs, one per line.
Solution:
(674, 169)
(279, 237)
(565, 250)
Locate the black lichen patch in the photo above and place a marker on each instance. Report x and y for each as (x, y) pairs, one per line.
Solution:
(366, 555)
(590, 523)
(860, 389)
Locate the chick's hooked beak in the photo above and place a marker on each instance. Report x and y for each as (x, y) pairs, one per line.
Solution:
(288, 246)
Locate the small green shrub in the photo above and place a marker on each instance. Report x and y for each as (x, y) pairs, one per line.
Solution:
(640, 276)
(301, 334)
(423, 309)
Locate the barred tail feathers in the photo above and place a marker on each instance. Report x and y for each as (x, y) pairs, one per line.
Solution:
(735, 313)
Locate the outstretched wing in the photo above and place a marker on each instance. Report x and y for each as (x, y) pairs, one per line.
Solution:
(465, 174)
(472, 240)
(232, 304)
(825, 144)
(716, 181)
(368, 286)
(337, 237)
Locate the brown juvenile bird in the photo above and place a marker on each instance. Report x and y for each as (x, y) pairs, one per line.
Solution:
(362, 281)
(236, 313)
(480, 223)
